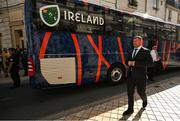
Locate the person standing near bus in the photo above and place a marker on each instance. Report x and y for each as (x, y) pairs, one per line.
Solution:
(138, 60)
(156, 64)
(14, 67)
(5, 56)
(1, 62)
(25, 61)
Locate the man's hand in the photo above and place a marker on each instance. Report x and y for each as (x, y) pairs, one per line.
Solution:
(131, 63)
(158, 58)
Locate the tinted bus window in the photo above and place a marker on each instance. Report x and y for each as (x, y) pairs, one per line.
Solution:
(114, 23)
(149, 33)
(161, 34)
(169, 32)
(128, 22)
(178, 34)
(61, 1)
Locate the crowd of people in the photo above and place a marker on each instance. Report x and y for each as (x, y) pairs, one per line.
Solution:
(11, 60)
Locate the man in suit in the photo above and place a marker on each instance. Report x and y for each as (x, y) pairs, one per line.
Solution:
(138, 60)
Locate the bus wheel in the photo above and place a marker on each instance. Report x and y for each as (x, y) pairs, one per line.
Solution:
(115, 74)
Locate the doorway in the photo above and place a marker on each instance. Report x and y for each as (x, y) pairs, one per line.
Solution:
(19, 39)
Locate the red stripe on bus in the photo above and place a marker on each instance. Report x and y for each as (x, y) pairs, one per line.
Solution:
(99, 59)
(78, 54)
(97, 51)
(121, 50)
(168, 56)
(44, 44)
(164, 53)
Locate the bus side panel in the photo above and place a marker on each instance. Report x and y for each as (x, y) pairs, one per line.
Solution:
(61, 45)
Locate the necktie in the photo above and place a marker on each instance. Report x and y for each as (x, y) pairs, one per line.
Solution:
(134, 54)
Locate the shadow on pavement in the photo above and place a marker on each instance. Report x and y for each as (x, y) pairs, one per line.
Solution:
(138, 115)
(154, 89)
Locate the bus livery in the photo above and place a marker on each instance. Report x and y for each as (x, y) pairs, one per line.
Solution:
(77, 43)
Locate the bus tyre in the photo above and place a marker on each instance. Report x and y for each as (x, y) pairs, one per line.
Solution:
(115, 74)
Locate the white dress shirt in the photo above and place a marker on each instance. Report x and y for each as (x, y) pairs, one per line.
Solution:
(136, 51)
(154, 55)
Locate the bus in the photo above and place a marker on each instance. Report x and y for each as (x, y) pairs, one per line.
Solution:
(71, 42)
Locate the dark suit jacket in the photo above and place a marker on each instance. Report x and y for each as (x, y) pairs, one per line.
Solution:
(142, 60)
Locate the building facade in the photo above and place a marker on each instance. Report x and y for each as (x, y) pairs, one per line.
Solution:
(154, 8)
(12, 32)
(173, 11)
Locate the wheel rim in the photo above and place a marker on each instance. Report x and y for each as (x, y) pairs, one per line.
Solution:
(116, 74)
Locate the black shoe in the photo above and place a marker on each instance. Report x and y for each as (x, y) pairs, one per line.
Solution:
(144, 104)
(128, 112)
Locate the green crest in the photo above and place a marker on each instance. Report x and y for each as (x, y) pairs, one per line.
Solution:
(50, 15)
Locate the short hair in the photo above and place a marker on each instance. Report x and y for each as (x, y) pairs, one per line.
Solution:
(139, 37)
(12, 49)
(155, 46)
(5, 49)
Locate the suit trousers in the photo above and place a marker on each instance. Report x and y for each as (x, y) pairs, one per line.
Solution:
(15, 77)
(141, 90)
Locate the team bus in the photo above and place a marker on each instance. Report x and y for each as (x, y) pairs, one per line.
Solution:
(71, 42)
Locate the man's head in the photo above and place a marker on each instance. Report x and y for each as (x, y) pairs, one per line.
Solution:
(5, 50)
(137, 41)
(154, 47)
(12, 50)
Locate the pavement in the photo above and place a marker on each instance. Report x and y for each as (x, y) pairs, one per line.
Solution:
(7, 81)
(92, 102)
(163, 105)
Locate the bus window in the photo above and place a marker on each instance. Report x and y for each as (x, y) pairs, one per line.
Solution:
(160, 32)
(128, 25)
(178, 34)
(61, 1)
(169, 32)
(149, 33)
(95, 8)
(138, 27)
(80, 5)
(113, 21)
